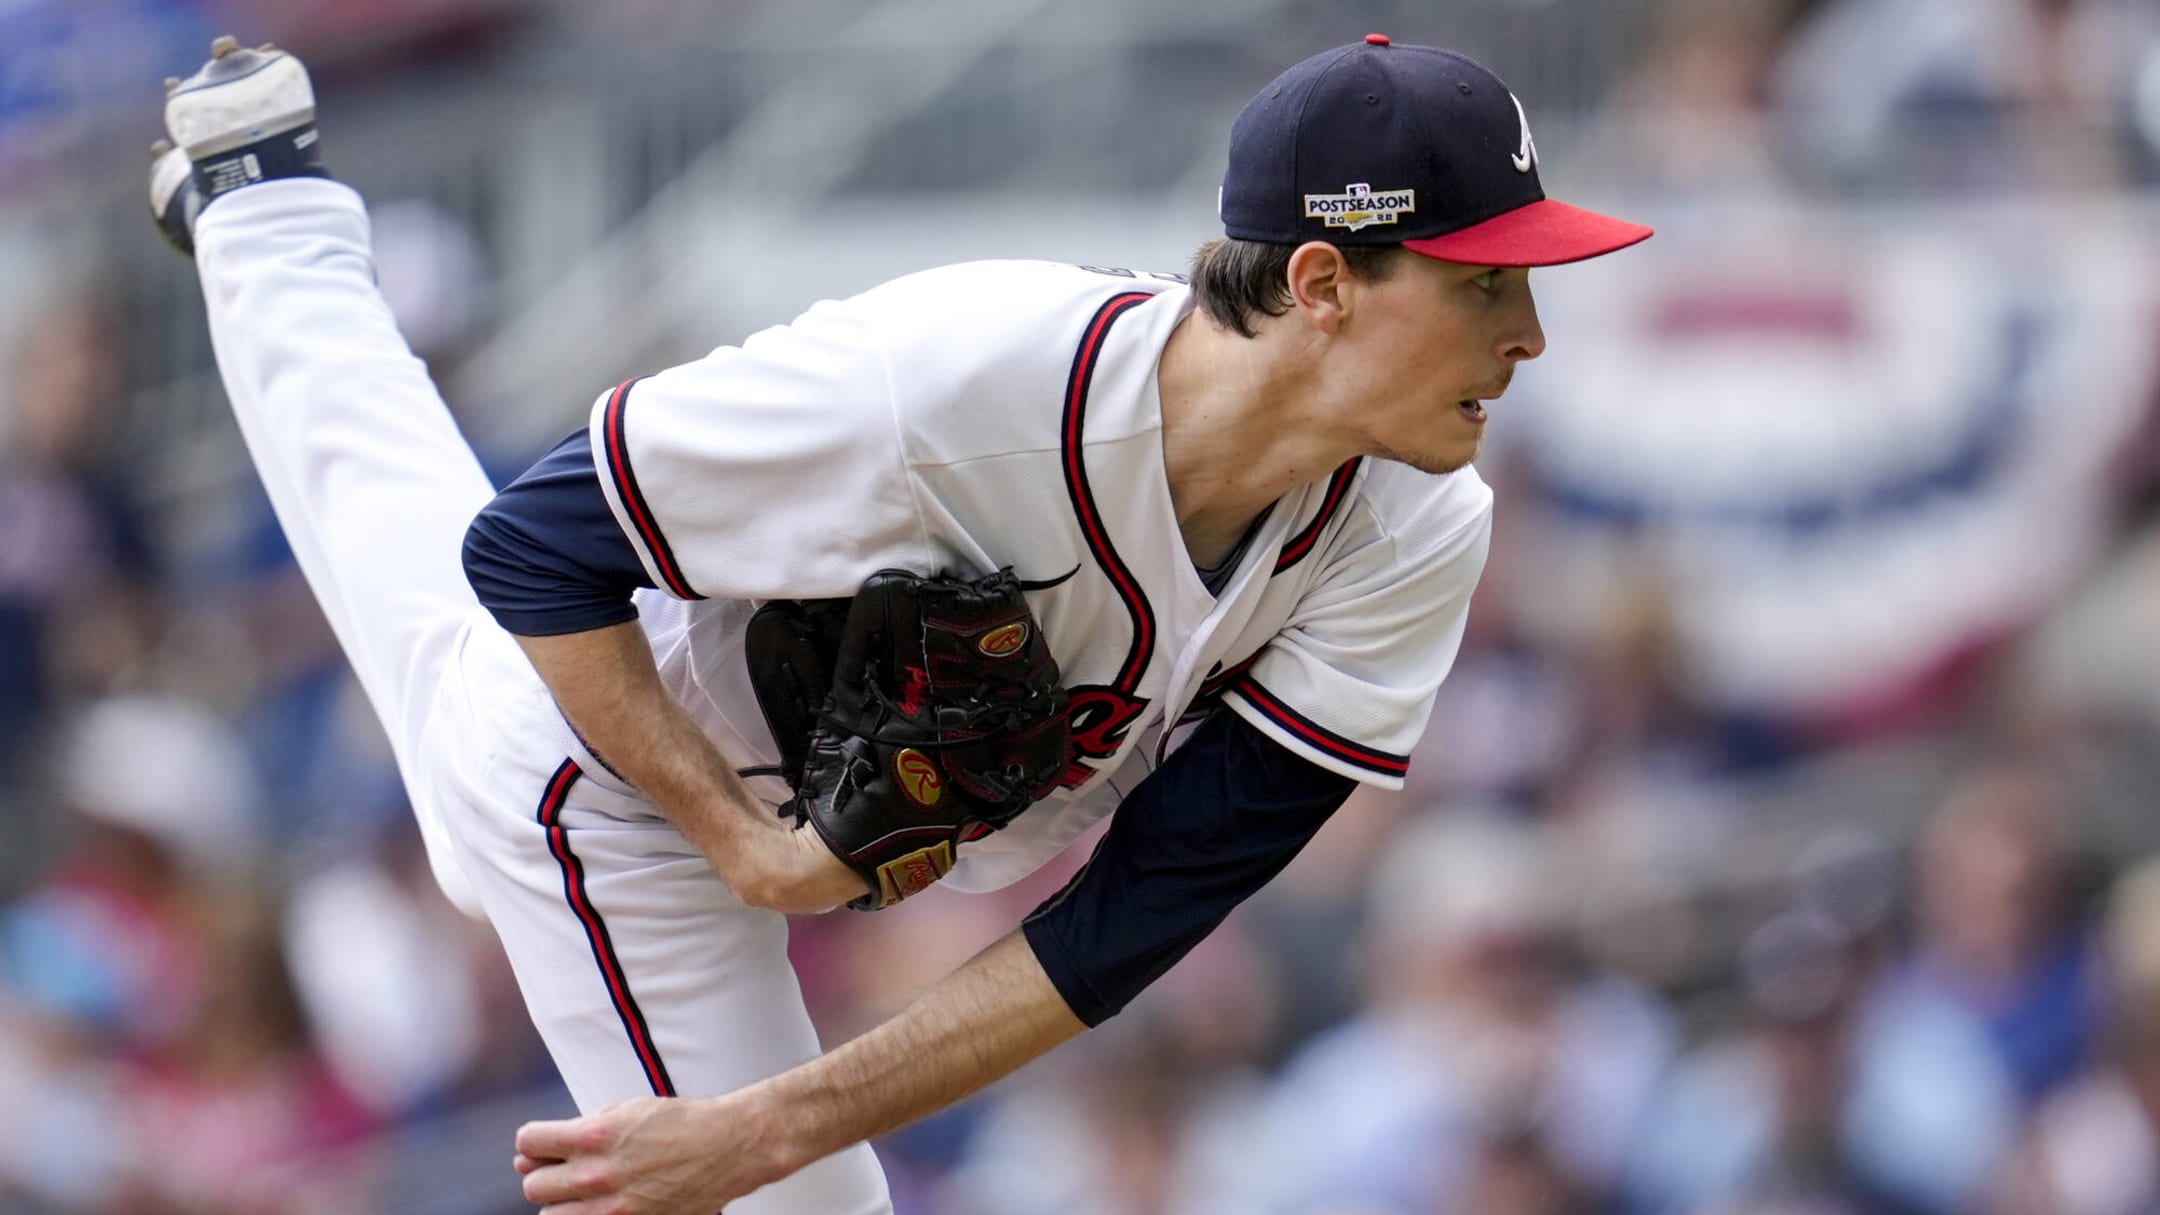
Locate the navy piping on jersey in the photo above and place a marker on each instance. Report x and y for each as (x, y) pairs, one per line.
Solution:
(1317, 735)
(1302, 543)
(596, 933)
(633, 499)
(1083, 498)
(1221, 679)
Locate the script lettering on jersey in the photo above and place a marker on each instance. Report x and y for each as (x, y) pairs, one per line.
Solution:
(1099, 718)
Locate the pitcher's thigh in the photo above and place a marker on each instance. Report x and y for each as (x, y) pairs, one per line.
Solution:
(369, 476)
(643, 972)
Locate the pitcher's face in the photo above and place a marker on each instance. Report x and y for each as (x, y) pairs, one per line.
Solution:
(1430, 344)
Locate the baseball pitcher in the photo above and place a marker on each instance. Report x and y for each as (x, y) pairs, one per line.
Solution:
(914, 588)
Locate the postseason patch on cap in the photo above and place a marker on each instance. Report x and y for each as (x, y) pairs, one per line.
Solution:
(1360, 206)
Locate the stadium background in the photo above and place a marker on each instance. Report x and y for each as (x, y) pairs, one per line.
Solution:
(1780, 843)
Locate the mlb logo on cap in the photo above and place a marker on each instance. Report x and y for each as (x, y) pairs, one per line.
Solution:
(1378, 144)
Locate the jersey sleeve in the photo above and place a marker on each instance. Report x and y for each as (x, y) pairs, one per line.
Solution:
(1349, 680)
(1215, 823)
(545, 557)
(769, 470)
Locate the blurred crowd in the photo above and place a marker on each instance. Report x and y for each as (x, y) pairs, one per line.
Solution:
(1782, 843)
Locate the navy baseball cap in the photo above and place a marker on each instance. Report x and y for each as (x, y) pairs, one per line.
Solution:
(1378, 144)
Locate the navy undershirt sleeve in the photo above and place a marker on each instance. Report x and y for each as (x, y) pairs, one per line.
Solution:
(1215, 823)
(547, 556)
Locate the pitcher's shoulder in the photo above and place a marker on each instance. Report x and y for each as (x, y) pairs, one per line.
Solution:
(983, 358)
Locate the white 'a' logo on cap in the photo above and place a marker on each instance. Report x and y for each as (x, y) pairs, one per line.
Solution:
(1525, 157)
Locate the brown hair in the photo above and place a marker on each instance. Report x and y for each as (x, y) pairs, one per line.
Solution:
(1237, 281)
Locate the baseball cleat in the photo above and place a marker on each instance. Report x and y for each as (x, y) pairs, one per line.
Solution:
(247, 116)
(174, 200)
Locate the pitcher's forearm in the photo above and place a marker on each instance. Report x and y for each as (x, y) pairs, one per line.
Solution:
(973, 1028)
(607, 685)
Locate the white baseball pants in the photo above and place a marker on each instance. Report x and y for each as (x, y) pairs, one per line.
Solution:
(641, 969)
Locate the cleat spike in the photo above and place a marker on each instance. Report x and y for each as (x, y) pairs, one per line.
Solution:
(225, 44)
(171, 83)
(161, 147)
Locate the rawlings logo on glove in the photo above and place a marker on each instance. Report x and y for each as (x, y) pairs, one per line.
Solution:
(922, 713)
(919, 777)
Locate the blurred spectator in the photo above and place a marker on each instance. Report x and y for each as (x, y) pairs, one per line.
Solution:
(1962, 94)
(77, 606)
(1847, 1090)
(110, 956)
(1995, 933)
(164, 808)
(1691, 117)
(1480, 1069)
(239, 1114)
(2096, 1144)
(390, 974)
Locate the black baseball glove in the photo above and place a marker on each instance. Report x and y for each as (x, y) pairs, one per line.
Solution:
(920, 714)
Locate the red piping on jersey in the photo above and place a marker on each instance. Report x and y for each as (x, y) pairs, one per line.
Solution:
(1326, 740)
(596, 933)
(1338, 488)
(1083, 499)
(633, 499)
(1215, 683)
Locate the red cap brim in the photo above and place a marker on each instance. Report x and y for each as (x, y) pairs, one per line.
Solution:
(1544, 233)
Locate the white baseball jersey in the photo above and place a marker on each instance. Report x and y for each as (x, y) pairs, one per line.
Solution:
(1006, 414)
